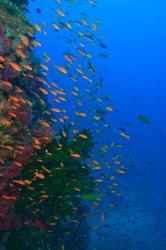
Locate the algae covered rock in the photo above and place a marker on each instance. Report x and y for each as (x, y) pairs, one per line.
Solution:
(13, 18)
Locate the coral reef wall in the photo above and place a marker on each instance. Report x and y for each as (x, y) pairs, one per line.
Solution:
(17, 104)
(38, 202)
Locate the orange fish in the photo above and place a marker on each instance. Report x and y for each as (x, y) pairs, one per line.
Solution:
(12, 115)
(7, 84)
(94, 26)
(83, 136)
(56, 26)
(20, 182)
(15, 66)
(28, 67)
(125, 135)
(36, 43)
(56, 110)
(120, 171)
(18, 90)
(29, 103)
(44, 123)
(2, 59)
(21, 147)
(25, 40)
(60, 12)
(109, 108)
(44, 66)
(39, 175)
(45, 196)
(76, 155)
(77, 189)
(21, 54)
(37, 26)
(46, 169)
(37, 141)
(7, 197)
(82, 114)
(62, 69)
(44, 91)
(18, 164)
(8, 148)
(6, 122)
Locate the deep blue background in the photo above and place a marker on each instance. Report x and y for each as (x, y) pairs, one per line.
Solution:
(136, 34)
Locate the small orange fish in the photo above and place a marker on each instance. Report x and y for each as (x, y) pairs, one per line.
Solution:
(21, 54)
(44, 91)
(15, 66)
(60, 12)
(37, 26)
(7, 84)
(76, 155)
(62, 69)
(21, 147)
(29, 103)
(25, 40)
(82, 114)
(7, 197)
(37, 141)
(97, 168)
(36, 43)
(125, 135)
(39, 175)
(8, 148)
(62, 99)
(20, 182)
(44, 123)
(97, 118)
(12, 115)
(2, 59)
(18, 164)
(18, 90)
(28, 67)
(61, 120)
(120, 171)
(44, 66)
(27, 182)
(94, 26)
(45, 196)
(77, 189)
(46, 169)
(83, 136)
(109, 108)
(99, 180)
(56, 110)
(84, 21)
(56, 26)
(6, 122)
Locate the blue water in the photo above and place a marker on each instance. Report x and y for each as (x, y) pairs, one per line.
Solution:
(134, 75)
